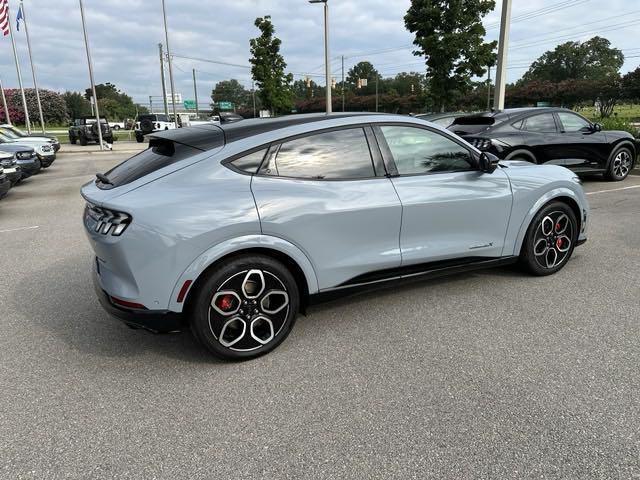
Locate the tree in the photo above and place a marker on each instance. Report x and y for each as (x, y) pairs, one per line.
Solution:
(450, 34)
(631, 85)
(77, 104)
(407, 83)
(54, 108)
(306, 90)
(363, 71)
(112, 102)
(268, 66)
(594, 59)
(231, 91)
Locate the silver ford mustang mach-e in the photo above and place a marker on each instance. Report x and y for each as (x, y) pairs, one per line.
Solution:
(232, 230)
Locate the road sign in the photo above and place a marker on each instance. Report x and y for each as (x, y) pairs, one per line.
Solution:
(189, 104)
(225, 105)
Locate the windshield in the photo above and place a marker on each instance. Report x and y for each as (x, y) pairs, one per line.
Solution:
(8, 133)
(4, 138)
(16, 131)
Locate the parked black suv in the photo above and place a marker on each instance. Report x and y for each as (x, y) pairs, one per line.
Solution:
(85, 130)
(551, 135)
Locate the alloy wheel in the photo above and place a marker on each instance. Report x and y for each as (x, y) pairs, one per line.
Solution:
(622, 164)
(248, 310)
(553, 240)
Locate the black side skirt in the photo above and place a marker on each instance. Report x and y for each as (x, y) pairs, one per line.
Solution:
(424, 271)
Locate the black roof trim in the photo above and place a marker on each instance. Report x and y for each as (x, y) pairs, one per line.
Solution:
(207, 137)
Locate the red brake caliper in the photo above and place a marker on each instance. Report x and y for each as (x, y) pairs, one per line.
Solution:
(225, 302)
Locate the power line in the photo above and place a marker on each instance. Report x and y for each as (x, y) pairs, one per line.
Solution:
(540, 12)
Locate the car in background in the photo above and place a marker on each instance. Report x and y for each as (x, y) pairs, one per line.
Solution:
(85, 130)
(117, 125)
(230, 117)
(150, 123)
(441, 119)
(45, 152)
(232, 229)
(14, 132)
(5, 184)
(555, 136)
(11, 168)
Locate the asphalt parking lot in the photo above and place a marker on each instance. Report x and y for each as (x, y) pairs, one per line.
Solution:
(493, 374)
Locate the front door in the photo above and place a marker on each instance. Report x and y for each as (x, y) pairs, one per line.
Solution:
(449, 208)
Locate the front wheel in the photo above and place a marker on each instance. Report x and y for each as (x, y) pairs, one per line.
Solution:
(139, 138)
(550, 239)
(620, 165)
(245, 308)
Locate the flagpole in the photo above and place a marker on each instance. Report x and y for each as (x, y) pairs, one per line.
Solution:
(93, 83)
(15, 56)
(33, 70)
(4, 103)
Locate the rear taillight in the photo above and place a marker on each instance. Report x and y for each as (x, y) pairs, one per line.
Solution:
(108, 221)
(481, 143)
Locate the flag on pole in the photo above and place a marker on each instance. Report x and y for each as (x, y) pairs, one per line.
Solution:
(19, 17)
(4, 17)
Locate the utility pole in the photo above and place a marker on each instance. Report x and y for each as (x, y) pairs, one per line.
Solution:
(489, 88)
(253, 95)
(33, 70)
(195, 92)
(327, 65)
(164, 84)
(150, 104)
(377, 77)
(93, 83)
(503, 50)
(343, 83)
(173, 90)
(4, 104)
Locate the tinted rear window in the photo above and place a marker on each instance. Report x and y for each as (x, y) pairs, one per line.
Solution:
(158, 156)
(470, 125)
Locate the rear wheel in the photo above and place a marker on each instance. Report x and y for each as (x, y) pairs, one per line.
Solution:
(139, 138)
(524, 155)
(83, 139)
(620, 165)
(245, 308)
(550, 239)
(73, 140)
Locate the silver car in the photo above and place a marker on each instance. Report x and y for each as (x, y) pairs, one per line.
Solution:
(234, 229)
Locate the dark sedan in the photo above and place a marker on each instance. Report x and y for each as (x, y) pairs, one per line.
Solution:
(26, 158)
(5, 183)
(551, 135)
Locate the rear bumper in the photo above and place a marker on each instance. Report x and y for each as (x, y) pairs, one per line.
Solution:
(156, 321)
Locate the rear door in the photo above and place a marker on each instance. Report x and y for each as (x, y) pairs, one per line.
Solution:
(450, 209)
(327, 194)
(542, 136)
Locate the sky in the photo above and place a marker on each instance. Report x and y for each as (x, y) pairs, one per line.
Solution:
(124, 37)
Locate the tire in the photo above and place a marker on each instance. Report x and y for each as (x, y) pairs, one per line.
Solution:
(83, 140)
(139, 138)
(620, 164)
(116, 127)
(546, 250)
(73, 140)
(217, 321)
(524, 155)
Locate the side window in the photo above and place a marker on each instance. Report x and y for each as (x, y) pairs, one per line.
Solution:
(572, 122)
(251, 162)
(341, 154)
(416, 151)
(543, 123)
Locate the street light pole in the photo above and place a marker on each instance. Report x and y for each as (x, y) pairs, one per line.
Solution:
(93, 83)
(503, 50)
(170, 63)
(327, 65)
(163, 82)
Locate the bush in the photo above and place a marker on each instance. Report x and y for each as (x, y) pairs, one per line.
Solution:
(616, 123)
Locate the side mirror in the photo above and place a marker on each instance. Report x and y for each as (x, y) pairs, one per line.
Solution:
(488, 162)
(597, 127)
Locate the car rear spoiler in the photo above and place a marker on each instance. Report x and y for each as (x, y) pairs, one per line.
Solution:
(202, 137)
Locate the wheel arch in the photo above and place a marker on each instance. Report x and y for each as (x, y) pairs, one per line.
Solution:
(564, 196)
(522, 151)
(291, 256)
(623, 142)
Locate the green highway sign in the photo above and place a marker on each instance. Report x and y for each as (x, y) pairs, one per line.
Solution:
(225, 105)
(189, 104)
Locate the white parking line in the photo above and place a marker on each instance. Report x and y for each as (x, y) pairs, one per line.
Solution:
(613, 190)
(19, 229)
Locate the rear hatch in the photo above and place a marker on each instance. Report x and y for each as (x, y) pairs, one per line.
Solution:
(472, 125)
(168, 151)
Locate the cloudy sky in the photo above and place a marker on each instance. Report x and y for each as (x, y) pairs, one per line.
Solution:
(124, 35)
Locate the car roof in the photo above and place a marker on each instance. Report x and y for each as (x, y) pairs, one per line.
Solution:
(206, 137)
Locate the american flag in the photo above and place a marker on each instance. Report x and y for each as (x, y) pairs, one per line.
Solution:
(4, 17)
